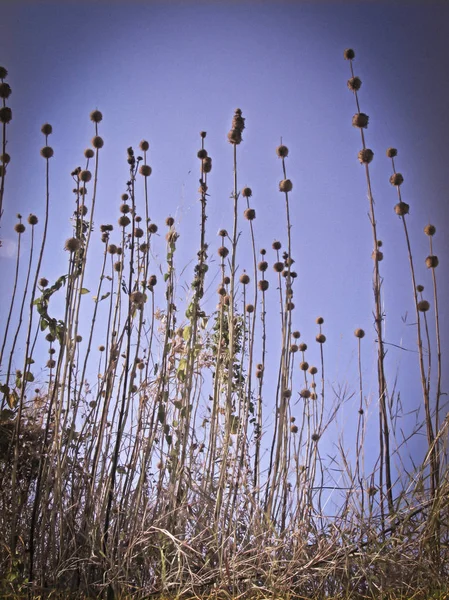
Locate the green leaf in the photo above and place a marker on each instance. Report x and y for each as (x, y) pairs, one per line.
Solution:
(84, 291)
(29, 361)
(29, 376)
(186, 333)
(234, 423)
(104, 296)
(166, 276)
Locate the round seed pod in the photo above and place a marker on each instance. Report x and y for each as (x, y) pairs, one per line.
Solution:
(145, 170)
(305, 393)
(223, 233)
(85, 176)
(276, 245)
(51, 363)
(202, 153)
(293, 274)
(235, 136)
(303, 347)
(315, 437)
(119, 251)
(263, 285)
(226, 280)
(137, 297)
(432, 261)
(360, 120)
(105, 237)
(320, 338)
(250, 214)
(19, 228)
(278, 267)
(349, 54)
(3, 73)
(152, 228)
(289, 306)
(144, 145)
(249, 308)
(287, 393)
(396, 179)
(138, 232)
(223, 251)
(89, 153)
(169, 221)
(262, 266)
(419, 288)
(124, 221)
(5, 114)
(79, 338)
(365, 156)
(207, 165)
(313, 396)
(43, 282)
(118, 266)
(259, 374)
(379, 243)
(282, 151)
(112, 249)
(313, 370)
(377, 255)
(82, 210)
(294, 428)
(392, 152)
(247, 192)
(104, 228)
(72, 244)
(47, 129)
(125, 208)
(143, 247)
(97, 142)
(5, 90)
(296, 335)
(303, 365)
(96, 116)
(47, 152)
(293, 348)
(401, 209)
(203, 134)
(50, 337)
(285, 185)
(221, 290)
(32, 219)
(152, 280)
(354, 84)
(319, 320)
(5, 158)
(124, 197)
(430, 230)
(263, 252)
(423, 306)
(244, 278)
(359, 333)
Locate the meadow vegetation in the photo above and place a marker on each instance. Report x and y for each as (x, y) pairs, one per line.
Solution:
(146, 459)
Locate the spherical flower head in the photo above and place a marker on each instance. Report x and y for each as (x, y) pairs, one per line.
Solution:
(432, 262)
(118, 267)
(112, 249)
(235, 136)
(303, 347)
(152, 280)
(285, 185)
(294, 348)
(303, 365)
(19, 228)
(296, 335)
(145, 170)
(97, 142)
(313, 370)
(320, 338)
(124, 197)
(250, 214)
(85, 176)
(138, 232)
(169, 221)
(391, 152)
(315, 437)
(101, 348)
(319, 320)
(263, 285)
(51, 363)
(360, 120)
(202, 153)
(5, 114)
(83, 210)
(249, 308)
(47, 152)
(5, 158)
(244, 278)
(203, 134)
(247, 192)
(206, 164)
(276, 245)
(72, 244)
(3, 73)
(396, 179)
(144, 145)
(359, 333)
(430, 230)
(124, 221)
(223, 233)
(282, 151)
(89, 153)
(152, 228)
(125, 208)
(419, 288)
(365, 156)
(349, 54)
(294, 428)
(401, 209)
(423, 306)
(354, 84)
(32, 219)
(263, 265)
(96, 116)
(5, 90)
(223, 251)
(137, 297)
(305, 393)
(43, 282)
(47, 129)
(221, 290)
(377, 255)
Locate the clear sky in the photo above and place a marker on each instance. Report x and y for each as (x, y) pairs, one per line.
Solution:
(164, 71)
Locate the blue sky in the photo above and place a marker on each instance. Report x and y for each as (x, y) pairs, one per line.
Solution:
(165, 71)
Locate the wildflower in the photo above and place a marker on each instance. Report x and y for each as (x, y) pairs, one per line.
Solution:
(85, 176)
(320, 338)
(303, 365)
(276, 245)
(305, 393)
(124, 221)
(138, 232)
(5, 158)
(244, 278)
(263, 265)
(169, 221)
(152, 228)
(319, 320)
(223, 251)
(303, 348)
(278, 267)
(250, 214)
(313, 370)
(294, 428)
(296, 335)
(249, 308)
(315, 437)
(43, 282)
(5, 90)
(419, 288)
(207, 164)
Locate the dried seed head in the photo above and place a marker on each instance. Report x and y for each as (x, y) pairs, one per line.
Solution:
(152, 228)
(365, 156)
(152, 280)
(319, 320)
(287, 393)
(104, 228)
(276, 245)
(249, 308)
(96, 116)
(282, 151)
(143, 247)
(278, 267)
(244, 278)
(423, 306)
(51, 363)
(5, 158)
(303, 347)
(124, 221)
(419, 288)
(145, 170)
(118, 267)
(235, 136)
(223, 233)
(85, 176)
(137, 297)
(72, 244)
(377, 255)
(396, 179)
(392, 152)
(263, 265)
(305, 393)
(293, 348)
(97, 142)
(43, 282)
(138, 232)
(46, 129)
(247, 192)
(296, 335)
(50, 337)
(285, 185)
(112, 249)
(124, 197)
(3, 73)
(315, 437)
(144, 145)
(359, 333)
(105, 237)
(289, 306)
(354, 84)
(401, 209)
(79, 338)
(203, 134)
(304, 365)
(5, 114)
(101, 348)
(320, 338)
(125, 208)
(349, 54)
(360, 120)
(223, 251)
(32, 219)
(313, 370)
(379, 243)
(226, 280)
(169, 221)
(82, 210)
(432, 261)
(263, 252)
(202, 153)
(372, 491)
(263, 285)
(19, 228)
(47, 152)
(250, 214)
(294, 428)
(5, 90)
(430, 230)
